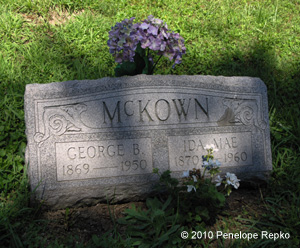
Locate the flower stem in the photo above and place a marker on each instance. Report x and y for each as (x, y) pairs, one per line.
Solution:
(155, 65)
(204, 172)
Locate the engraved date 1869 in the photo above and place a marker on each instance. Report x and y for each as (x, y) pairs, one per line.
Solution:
(75, 169)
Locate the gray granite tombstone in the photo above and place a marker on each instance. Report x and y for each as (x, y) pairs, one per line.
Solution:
(93, 140)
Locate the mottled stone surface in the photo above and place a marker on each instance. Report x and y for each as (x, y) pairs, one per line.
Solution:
(93, 140)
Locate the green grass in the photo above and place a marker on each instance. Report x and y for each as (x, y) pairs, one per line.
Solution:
(228, 37)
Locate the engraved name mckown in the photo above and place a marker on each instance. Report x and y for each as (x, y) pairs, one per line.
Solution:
(162, 109)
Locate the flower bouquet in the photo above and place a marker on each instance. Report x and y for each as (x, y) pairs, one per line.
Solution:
(136, 46)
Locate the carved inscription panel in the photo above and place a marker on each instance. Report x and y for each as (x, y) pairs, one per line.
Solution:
(97, 159)
(234, 149)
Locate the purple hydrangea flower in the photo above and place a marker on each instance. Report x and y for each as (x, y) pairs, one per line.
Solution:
(122, 41)
(152, 33)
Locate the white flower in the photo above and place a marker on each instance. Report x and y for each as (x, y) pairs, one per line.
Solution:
(190, 188)
(217, 163)
(231, 179)
(205, 164)
(218, 181)
(195, 178)
(186, 174)
(210, 164)
(212, 146)
(207, 147)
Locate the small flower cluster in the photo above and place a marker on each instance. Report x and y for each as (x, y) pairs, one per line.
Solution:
(211, 148)
(151, 33)
(230, 179)
(212, 166)
(208, 160)
(122, 40)
(190, 187)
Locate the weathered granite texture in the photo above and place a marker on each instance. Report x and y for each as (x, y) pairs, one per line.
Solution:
(93, 140)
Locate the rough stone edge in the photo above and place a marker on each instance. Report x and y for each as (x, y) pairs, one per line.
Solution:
(140, 191)
(90, 196)
(88, 86)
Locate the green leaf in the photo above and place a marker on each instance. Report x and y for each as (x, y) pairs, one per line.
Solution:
(140, 51)
(137, 243)
(141, 227)
(203, 212)
(153, 203)
(198, 218)
(148, 67)
(136, 214)
(96, 240)
(2, 153)
(126, 68)
(123, 221)
(220, 197)
(167, 203)
(140, 63)
(167, 234)
(157, 213)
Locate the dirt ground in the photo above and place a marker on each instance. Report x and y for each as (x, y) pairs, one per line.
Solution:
(86, 221)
